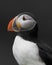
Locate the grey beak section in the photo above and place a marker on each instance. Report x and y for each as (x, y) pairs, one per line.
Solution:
(14, 26)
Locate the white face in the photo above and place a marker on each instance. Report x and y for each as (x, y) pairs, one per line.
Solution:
(26, 22)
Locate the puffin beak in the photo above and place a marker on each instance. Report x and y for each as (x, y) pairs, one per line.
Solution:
(9, 28)
(17, 26)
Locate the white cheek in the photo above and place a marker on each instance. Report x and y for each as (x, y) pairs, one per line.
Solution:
(28, 23)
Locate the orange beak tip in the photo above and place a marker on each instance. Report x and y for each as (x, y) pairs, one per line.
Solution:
(9, 28)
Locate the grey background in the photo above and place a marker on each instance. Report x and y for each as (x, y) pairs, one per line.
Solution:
(42, 9)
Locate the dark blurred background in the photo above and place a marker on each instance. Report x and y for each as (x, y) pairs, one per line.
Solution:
(9, 9)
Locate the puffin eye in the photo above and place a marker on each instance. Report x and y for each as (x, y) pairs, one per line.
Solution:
(24, 18)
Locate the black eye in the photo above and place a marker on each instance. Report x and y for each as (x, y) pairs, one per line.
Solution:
(24, 18)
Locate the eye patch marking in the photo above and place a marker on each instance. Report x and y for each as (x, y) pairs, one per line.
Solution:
(24, 18)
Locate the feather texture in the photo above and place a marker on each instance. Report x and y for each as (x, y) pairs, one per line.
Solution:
(26, 52)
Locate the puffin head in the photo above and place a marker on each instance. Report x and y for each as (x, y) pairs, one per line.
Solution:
(22, 22)
(25, 24)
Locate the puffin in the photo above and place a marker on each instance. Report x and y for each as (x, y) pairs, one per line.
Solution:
(27, 49)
